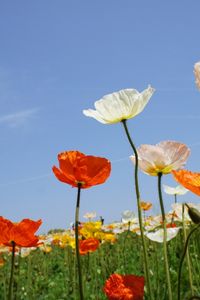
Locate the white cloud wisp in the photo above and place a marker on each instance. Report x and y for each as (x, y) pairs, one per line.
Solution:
(18, 118)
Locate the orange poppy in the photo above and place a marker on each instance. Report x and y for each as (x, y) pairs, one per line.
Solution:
(77, 168)
(189, 180)
(88, 245)
(145, 205)
(22, 233)
(124, 287)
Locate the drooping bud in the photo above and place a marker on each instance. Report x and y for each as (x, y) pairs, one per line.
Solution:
(194, 214)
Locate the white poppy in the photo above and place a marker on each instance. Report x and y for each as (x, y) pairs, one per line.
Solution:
(178, 190)
(158, 236)
(122, 105)
(90, 215)
(128, 216)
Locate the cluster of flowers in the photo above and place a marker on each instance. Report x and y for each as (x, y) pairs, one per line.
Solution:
(92, 233)
(84, 171)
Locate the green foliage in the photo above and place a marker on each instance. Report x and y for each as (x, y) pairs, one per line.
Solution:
(53, 275)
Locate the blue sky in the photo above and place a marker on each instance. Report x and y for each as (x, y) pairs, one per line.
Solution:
(57, 58)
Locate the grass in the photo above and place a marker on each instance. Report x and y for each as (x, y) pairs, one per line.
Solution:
(53, 275)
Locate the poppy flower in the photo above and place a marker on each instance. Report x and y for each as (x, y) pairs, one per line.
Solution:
(145, 205)
(197, 74)
(158, 235)
(189, 180)
(22, 233)
(128, 216)
(178, 190)
(88, 245)
(77, 168)
(124, 287)
(161, 158)
(90, 215)
(122, 105)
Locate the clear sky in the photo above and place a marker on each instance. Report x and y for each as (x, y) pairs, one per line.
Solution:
(56, 59)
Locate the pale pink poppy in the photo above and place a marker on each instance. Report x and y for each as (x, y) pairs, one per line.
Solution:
(197, 74)
(161, 158)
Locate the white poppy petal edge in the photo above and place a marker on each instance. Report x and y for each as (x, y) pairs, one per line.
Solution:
(122, 105)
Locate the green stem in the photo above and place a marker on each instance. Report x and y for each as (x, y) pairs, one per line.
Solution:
(77, 242)
(182, 259)
(146, 264)
(11, 271)
(187, 253)
(175, 201)
(165, 238)
(124, 244)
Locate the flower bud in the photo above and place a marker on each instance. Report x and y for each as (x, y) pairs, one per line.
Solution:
(194, 214)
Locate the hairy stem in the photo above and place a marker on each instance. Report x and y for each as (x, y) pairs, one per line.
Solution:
(77, 243)
(146, 264)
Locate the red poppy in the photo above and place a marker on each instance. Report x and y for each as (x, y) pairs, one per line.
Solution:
(189, 180)
(88, 245)
(22, 233)
(171, 225)
(77, 168)
(124, 287)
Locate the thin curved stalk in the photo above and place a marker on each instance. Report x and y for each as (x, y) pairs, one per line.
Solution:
(187, 253)
(165, 238)
(146, 264)
(77, 243)
(182, 259)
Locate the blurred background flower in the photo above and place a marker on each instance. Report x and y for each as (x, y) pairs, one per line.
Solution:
(128, 216)
(197, 74)
(178, 190)
(158, 235)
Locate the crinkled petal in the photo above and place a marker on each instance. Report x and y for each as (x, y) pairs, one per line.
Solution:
(96, 115)
(93, 170)
(70, 179)
(176, 152)
(75, 168)
(68, 161)
(190, 180)
(118, 106)
(161, 158)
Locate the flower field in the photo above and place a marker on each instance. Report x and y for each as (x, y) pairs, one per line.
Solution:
(48, 271)
(143, 257)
